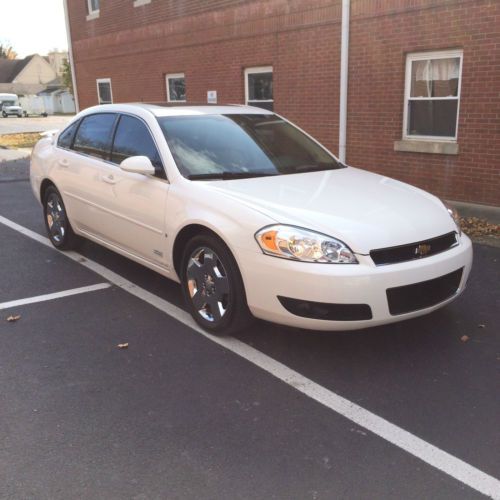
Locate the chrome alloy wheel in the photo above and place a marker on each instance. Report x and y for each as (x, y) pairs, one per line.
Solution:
(208, 284)
(56, 218)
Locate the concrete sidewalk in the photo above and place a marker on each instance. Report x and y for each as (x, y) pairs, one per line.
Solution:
(7, 154)
(32, 124)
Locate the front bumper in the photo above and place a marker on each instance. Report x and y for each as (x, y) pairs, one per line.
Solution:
(266, 278)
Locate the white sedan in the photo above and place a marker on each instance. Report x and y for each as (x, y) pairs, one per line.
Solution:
(251, 215)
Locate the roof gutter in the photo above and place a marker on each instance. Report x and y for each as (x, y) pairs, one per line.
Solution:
(344, 70)
(70, 54)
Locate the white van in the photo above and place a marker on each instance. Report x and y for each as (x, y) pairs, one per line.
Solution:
(9, 105)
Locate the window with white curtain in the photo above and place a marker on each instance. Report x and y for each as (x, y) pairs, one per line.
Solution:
(432, 95)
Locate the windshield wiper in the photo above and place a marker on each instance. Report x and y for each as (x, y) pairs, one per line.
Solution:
(229, 175)
(313, 168)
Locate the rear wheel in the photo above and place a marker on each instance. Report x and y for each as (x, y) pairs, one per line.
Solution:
(212, 286)
(57, 223)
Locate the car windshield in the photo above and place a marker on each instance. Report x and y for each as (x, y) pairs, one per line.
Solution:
(241, 145)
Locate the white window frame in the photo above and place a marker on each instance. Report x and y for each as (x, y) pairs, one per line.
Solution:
(139, 3)
(257, 69)
(104, 80)
(423, 56)
(92, 13)
(172, 76)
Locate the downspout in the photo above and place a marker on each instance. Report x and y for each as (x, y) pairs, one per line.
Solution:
(70, 54)
(344, 69)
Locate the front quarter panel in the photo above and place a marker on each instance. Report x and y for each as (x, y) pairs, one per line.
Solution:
(191, 202)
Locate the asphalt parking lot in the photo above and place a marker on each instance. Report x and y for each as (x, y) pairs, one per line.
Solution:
(177, 415)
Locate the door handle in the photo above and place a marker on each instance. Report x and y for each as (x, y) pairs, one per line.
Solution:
(108, 179)
(63, 162)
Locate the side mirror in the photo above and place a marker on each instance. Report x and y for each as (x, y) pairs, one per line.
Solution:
(138, 164)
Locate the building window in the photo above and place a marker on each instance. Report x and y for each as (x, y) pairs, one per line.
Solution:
(432, 95)
(93, 7)
(139, 3)
(104, 92)
(176, 87)
(259, 87)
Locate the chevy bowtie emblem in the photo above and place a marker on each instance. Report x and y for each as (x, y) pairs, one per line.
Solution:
(422, 250)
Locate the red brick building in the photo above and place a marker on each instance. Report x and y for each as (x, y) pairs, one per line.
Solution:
(423, 99)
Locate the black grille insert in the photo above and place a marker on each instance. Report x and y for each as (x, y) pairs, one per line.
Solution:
(322, 310)
(405, 299)
(416, 250)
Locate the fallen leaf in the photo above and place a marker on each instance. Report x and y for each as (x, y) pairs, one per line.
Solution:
(464, 338)
(13, 318)
(474, 226)
(123, 346)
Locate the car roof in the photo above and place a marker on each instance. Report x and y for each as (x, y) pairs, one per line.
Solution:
(168, 109)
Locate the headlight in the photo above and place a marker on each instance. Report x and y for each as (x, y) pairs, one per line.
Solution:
(295, 243)
(454, 215)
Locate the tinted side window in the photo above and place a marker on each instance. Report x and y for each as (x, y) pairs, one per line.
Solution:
(133, 138)
(66, 137)
(94, 135)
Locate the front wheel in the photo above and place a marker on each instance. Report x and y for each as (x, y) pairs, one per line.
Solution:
(57, 223)
(213, 287)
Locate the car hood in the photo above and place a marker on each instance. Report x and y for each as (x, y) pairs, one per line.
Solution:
(364, 210)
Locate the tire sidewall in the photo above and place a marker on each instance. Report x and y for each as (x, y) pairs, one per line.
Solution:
(67, 228)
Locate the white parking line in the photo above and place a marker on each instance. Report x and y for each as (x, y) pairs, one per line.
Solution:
(55, 295)
(441, 460)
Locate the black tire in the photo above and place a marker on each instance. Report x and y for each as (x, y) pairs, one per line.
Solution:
(213, 291)
(4, 114)
(58, 227)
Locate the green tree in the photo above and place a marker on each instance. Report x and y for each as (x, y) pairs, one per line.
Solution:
(66, 75)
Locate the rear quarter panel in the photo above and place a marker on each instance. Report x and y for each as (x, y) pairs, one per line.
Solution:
(41, 158)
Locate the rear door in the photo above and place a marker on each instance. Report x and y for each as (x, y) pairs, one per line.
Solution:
(81, 170)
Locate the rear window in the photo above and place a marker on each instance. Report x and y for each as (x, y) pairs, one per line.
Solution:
(94, 135)
(66, 136)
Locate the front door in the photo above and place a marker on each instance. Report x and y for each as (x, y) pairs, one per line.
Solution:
(134, 204)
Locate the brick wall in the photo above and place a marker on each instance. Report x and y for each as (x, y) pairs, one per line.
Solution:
(213, 41)
(380, 40)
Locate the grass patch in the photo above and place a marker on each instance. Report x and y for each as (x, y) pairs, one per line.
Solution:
(27, 140)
